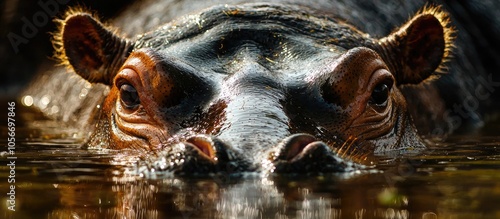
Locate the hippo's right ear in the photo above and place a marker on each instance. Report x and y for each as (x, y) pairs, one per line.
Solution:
(94, 52)
(417, 50)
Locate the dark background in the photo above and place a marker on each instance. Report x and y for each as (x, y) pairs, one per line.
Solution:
(17, 68)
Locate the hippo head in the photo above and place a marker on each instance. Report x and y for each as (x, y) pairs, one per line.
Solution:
(256, 85)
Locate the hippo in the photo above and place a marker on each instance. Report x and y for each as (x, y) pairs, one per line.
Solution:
(254, 86)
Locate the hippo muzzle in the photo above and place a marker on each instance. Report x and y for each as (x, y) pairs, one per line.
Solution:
(270, 87)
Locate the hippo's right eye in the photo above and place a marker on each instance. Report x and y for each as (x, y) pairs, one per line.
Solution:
(129, 96)
(380, 93)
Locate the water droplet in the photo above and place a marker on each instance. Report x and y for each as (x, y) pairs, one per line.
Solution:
(88, 85)
(54, 109)
(27, 100)
(44, 101)
(83, 93)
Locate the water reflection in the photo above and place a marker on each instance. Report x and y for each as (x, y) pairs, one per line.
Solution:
(55, 178)
(78, 193)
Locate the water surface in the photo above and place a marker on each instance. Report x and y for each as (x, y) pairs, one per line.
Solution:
(55, 178)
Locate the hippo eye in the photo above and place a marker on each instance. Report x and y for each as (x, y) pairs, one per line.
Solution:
(380, 93)
(129, 96)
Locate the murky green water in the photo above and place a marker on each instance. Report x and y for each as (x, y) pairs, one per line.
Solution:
(54, 178)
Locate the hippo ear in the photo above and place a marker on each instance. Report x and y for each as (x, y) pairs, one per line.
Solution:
(94, 52)
(420, 47)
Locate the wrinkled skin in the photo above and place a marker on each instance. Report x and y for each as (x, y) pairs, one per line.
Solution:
(256, 86)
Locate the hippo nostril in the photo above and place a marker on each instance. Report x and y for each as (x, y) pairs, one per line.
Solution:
(303, 153)
(294, 144)
(204, 144)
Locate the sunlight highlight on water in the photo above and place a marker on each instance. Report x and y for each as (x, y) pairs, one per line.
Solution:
(456, 178)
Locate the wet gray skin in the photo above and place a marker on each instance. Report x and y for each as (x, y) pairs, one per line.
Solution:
(255, 87)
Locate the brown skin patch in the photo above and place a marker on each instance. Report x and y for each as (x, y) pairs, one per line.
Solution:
(143, 123)
(358, 73)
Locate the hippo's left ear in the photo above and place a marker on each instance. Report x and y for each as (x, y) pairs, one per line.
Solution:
(94, 51)
(420, 47)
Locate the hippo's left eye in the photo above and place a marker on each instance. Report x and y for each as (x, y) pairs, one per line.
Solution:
(129, 96)
(380, 93)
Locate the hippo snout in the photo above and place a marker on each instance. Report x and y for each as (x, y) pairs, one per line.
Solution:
(297, 153)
